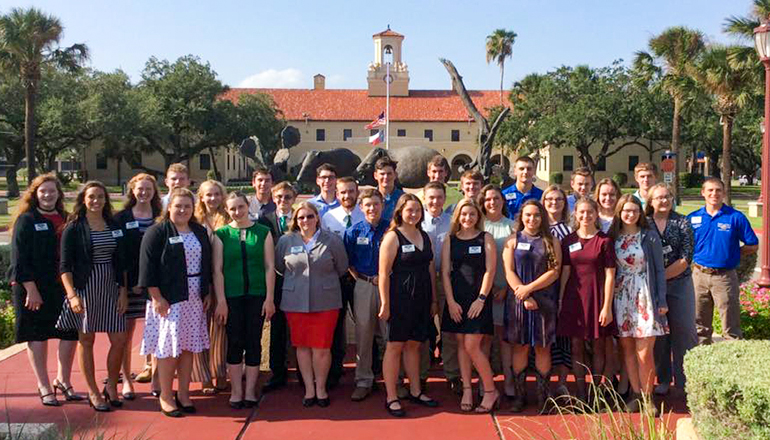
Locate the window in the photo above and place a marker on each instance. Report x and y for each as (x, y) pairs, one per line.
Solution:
(401, 132)
(568, 163)
(101, 162)
(455, 135)
(632, 162)
(228, 161)
(601, 165)
(429, 135)
(320, 135)
(347, 133)
(204, 162)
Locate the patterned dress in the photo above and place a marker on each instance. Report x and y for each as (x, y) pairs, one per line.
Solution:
(184, 328)
(633, 305)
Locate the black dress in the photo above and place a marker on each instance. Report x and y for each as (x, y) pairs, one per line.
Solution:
(410, 291)
(468, 259)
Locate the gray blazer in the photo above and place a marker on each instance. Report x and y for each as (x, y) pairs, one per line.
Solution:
(311, 281)
(656, 272)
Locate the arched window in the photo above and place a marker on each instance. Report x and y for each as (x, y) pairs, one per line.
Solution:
(387, 54)
(459, 161)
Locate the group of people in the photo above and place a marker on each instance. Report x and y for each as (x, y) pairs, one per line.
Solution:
(517, 280)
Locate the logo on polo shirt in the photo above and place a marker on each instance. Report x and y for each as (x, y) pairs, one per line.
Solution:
(723, 226)
(510, 196)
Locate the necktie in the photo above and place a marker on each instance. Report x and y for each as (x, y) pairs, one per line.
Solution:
(282, 223)
(348, 222)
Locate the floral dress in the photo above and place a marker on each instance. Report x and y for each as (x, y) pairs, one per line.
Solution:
(633, 305)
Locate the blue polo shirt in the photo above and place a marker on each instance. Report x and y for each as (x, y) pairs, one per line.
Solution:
(515, 198)
(718, 238)
(389, 204)
(362, 243)
(322, 206)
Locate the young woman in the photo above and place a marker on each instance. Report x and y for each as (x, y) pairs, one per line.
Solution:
(677, 240)
(497, 223)
(208, 365)
(606, 194)
(468, 271)
(175, 268)
(312, 261)
(587, 284)
(244, 280)
(37, 289)
(532, 261)
(94, 277)
(139, 213)
(408, 299)
(640, 294)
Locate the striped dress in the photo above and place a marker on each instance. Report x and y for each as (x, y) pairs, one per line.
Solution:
(100, 296)
(561, 350)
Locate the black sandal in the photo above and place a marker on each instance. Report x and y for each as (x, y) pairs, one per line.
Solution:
(466, 407)
(67, 392)
(53, 402)
(430, 403)
(116, 403)
(398, 412)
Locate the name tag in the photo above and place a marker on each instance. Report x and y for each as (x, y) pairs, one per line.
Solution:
(363, 241)
(297, 249)
(406, 248)
(41, 226)
(510, 196)
(132, 225)
(474, 250)
(175, 240)
(523, 246)
(696, 220)
(575, 247)
(667, 249)
(723, 226)
(117, 233)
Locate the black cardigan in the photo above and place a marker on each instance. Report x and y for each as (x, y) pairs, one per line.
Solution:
(33, 250)
(77, 252)
(162, 263)
(133, 240)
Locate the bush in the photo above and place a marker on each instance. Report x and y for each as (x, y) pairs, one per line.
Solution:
(691, 180)
(5, 263)
(728, 391)
(7, 324)
(755, 312)
(557, 178)
(620, 178)
(211, 175)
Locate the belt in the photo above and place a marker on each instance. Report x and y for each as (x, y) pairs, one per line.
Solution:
(367, 278)
(711, 270)
(193, 275)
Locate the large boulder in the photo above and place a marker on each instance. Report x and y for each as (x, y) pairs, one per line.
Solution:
(343, 159)
(411, 168)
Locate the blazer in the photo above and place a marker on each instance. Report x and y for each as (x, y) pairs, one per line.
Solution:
(133, 239)
(656, 272)
(311, 280)
(77, 252)
(33, 250)
(162, 261)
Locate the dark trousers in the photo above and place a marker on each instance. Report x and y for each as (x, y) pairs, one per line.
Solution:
(278, 336)
(339, 344)
(244, 330)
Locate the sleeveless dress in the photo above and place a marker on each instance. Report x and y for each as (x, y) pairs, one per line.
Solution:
(536, 328)
(410, 291)
(468, 260)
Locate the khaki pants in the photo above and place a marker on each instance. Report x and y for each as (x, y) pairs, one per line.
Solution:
(366, 307)
(722, 291)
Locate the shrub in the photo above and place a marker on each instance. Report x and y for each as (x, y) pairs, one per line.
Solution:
(755, 312)
(7, 324)
(691, 180)
(620, 178)
(557, 178)
(5, 263)
(728, 392)
(211, 175)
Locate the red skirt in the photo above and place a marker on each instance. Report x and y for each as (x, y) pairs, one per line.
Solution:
(314, 330)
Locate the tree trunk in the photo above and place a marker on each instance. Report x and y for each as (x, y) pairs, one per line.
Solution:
(118, 160)
(29, 131)
(13, 183)
(214, 164)
(502, 75)
(675, 146)
(727, 166)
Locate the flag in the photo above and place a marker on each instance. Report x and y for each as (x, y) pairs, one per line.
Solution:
(379, 122)
(377, 138)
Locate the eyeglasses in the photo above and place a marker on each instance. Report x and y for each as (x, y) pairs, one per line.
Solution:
(662, 198)
(306, 217)
(327, 177)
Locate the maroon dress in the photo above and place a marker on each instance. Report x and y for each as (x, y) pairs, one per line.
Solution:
(584, 293)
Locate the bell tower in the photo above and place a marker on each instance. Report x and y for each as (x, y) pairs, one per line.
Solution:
(387, 49)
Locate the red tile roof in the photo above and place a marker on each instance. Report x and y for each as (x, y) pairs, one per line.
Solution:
(357, 105)
(388, 33)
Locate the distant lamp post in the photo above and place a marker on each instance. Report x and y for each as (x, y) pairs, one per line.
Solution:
(762, 42)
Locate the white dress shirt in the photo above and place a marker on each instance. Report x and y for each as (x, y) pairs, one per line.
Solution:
(335, 219)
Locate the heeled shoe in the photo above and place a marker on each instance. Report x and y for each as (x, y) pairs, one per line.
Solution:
(175, 413)
(129, 395)
(53, 402)
(67, 392)
(481, 409)
(307, 402)
(116, 403)
(397, 412)
(430, 403)
(467, 407)
(190, 409)
(102, 407)
(236, 405)
(323, 403)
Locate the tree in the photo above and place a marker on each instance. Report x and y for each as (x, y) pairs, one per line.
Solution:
(743, 29)
(12, 129)
(731, 86)
(671, 54)
(499, 47)
(29, 40)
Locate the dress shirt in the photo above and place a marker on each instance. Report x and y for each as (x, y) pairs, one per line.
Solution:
(257, 209)
(389, 204)
(437, 229)
(337, 220)
(322, 206)
(362, 243)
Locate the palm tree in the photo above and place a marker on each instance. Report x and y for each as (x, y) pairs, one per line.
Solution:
(499, 47)
(743, 28)
(670, 57)
(731, 86)
(29, 39)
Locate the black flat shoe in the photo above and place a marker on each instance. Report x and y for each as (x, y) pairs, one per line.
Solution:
(395, 412)
(250, 403)
(175, 413)
(186, 409)
(102, 407)
(68, 392)
(323, 403)
(308, 402)
(430, 403)
(116, 403)
(236, 405)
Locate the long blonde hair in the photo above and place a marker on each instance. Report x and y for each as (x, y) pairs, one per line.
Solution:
(454, 225)
(155, 204)
(220, 217)
(28, 201)
(294, 225)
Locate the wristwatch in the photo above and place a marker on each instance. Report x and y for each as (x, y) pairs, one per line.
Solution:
(482, 297)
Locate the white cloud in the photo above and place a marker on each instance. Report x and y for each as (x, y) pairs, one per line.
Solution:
(272, 78)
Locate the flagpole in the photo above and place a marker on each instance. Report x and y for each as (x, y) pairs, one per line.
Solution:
(387, 106)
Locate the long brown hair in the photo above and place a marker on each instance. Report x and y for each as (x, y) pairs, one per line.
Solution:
(617, 223)
(483, 194)
(398, 219)
(454, 225)
(155, 204)
(610, 182)
(565, 216)
(544, 231)
(28, 201)
(178, 192)
(79, 210)
(220, 217)
(594, 205)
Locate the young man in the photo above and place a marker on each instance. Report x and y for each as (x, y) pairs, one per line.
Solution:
(719, 231)
(385, 176)
(177, 176)
(438, 170)
(326, 179)
(470, 183)
(581, 182)
(262, 201)
(435, 223)
(523, 190)
(362, 242)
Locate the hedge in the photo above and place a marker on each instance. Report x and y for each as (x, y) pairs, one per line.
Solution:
(7, 316)
(728, 390)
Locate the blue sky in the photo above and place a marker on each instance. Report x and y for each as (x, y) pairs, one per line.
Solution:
(283, 44)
